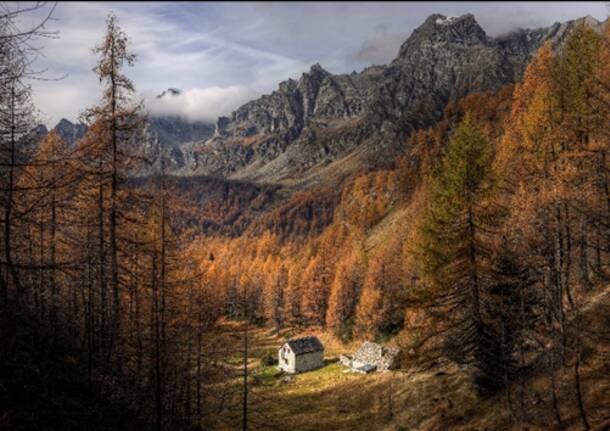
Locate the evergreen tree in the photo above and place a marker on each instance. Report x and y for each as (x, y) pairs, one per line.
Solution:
(453, 254)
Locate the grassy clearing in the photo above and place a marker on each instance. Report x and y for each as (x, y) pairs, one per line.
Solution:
(328, 398)
(440, 398)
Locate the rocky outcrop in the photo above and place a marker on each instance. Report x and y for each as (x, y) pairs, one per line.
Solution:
(68, 131)
(175, 136)
(315, 97)
(261, 139)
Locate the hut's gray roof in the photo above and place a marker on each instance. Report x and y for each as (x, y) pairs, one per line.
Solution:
(305, 345)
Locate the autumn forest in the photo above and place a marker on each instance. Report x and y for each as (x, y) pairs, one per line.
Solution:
(482, 243)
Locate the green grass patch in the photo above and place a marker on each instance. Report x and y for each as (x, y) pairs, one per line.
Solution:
(234, 360)
(266, 376)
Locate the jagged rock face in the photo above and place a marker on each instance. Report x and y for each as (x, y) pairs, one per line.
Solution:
(261, 131)
(311, 123)
(317, 95)
(449, 57)
(68, 131)
(440, 30)
(175, 136)
(444, 59)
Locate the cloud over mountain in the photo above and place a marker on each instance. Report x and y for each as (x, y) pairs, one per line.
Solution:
(199, 104)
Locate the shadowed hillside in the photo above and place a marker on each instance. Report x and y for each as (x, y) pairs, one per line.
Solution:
(45, 385)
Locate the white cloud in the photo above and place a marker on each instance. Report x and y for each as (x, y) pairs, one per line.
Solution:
(200, 104)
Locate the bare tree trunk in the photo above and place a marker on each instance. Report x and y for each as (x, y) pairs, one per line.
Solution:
(33, 285)
(102, 267)
(41, 281)
(522, 356)
(473, 263)
(8, 210)
(558, 294)
(89, 318)
(189, 352)
(583, 246)
(554, 388)
(52, 280)
(114, 263)
(568, 255)
(244, 420)
(3, 286)
(579, 397)
(199, 346)
(504, 356)
(157, 348)
(138, 313)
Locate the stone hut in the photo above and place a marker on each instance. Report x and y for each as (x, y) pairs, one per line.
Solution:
(301, 354)
(372, 357)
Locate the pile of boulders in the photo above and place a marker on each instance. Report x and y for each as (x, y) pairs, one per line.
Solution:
(371, 357)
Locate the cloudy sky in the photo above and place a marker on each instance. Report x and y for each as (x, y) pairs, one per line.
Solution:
(223, 54)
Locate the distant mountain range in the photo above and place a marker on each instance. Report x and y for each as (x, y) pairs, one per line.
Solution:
(324, 127)
(173, 133)
(68, 131)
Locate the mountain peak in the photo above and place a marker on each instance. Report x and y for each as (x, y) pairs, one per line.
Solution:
(317, 68)
(321, 117)
(438, 29)
(590, 20)
(454, 28)
(169, 92)
(64, 122)
(316, 72)
(440, 19)
(70, 132)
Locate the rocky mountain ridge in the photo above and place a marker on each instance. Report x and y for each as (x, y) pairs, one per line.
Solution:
(309, 127)
(324, 127)
(172, 134)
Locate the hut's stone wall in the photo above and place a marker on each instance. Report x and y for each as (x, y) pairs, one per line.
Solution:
(309, 361)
